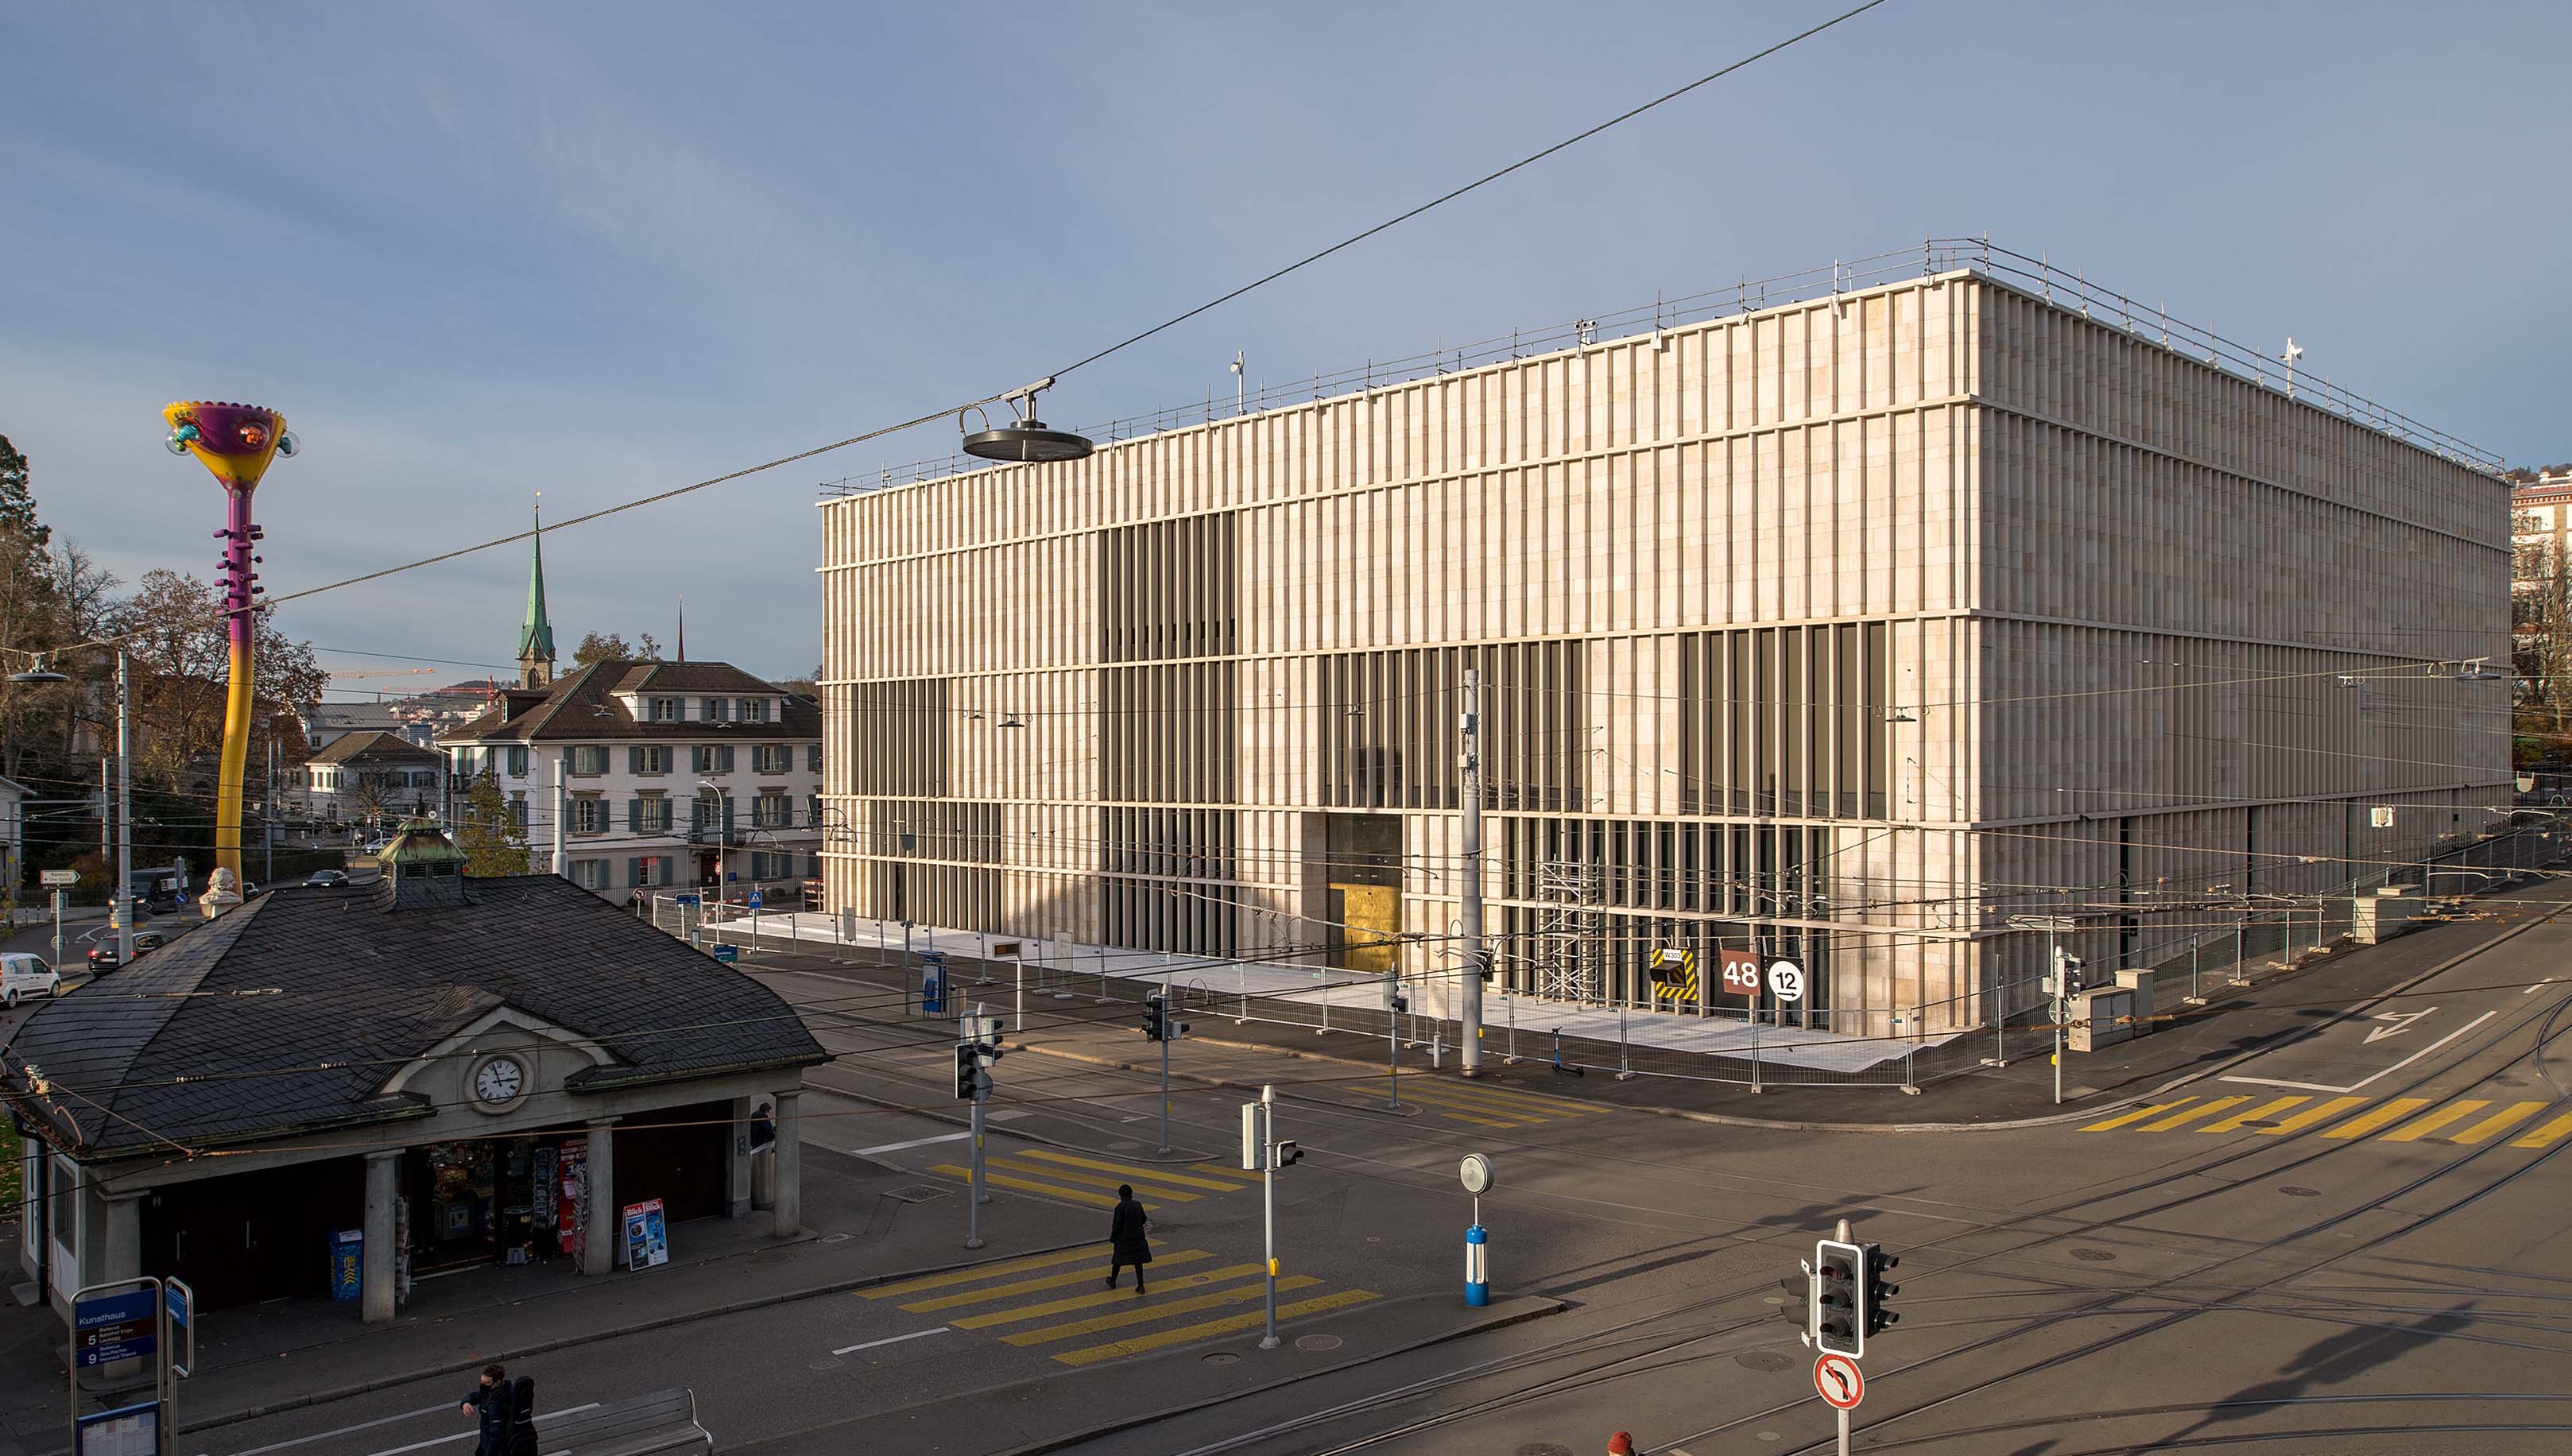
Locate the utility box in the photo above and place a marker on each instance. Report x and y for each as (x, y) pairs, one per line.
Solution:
(2099, 1018)
(2374, 919)
(2141, 984)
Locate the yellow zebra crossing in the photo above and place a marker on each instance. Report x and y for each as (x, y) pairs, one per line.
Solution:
(1075, 1177)
(1484, 1105)
(2467, 1122)
(1106, 1323)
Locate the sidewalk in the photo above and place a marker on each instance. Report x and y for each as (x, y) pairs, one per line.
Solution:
(288, 1353)
(2191, 1042)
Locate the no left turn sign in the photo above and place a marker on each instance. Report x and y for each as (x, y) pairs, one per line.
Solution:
(1837, 1378)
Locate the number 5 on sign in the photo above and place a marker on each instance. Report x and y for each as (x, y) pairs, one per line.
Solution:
(1786, 981)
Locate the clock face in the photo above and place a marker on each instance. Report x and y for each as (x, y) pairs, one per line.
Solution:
(500, 1080)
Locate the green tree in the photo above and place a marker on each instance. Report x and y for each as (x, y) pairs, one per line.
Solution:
(597, 648)
(17, 502)
(494, 840)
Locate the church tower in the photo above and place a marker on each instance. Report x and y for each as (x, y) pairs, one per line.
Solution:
(536, 636)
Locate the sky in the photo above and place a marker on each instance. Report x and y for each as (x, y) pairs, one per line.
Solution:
(477, 252)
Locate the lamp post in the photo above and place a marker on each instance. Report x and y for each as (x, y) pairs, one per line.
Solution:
(718, 812)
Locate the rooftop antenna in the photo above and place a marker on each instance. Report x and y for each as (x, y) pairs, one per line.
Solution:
(1239, 382)
(683, 628)
(2294, 352)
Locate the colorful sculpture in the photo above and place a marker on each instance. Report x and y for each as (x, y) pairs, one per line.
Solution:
(236, 442)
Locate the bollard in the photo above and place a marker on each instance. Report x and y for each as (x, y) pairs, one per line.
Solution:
(1478, 1277)
(1624, 1071)
(1513, 999)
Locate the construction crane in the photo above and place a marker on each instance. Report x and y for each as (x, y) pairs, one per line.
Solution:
(381, 672)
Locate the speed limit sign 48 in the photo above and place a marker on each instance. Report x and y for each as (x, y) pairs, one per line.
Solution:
(1786, 981)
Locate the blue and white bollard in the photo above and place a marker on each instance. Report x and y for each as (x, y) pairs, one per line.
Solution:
(1478, 1278)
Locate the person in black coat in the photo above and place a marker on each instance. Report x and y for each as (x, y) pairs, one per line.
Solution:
(522, 1417)
(1126, 1240)
(490, 1400)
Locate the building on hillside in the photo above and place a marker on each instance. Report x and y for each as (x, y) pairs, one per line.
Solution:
(373, 776)
(458, 1069)
(1844, 625)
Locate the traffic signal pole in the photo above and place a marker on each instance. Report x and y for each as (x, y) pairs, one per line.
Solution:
(1268, 1204)
(1165, 1060)
(1470, 765)
(1842, 1232)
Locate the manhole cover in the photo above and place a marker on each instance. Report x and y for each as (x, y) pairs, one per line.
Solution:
(1769, 1360)
(1123, 1146)
(834, 1238)
(1317, 1342)
(2094, 1255)
(1543, 1448)
(917, 1193)
(2297, 1191)
(1223, 1357)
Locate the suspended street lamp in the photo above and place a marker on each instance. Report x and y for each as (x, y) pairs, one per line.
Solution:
(1025, 439)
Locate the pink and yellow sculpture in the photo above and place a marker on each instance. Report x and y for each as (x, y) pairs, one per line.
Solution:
(236, 442)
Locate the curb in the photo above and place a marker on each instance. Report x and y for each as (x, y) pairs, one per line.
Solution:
(640, 1326)
(996, 1129)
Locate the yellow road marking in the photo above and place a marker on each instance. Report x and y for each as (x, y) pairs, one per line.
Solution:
(2365, 1123)
(983, 1271)
(1245, 1174)
(1512, 1100)
(2546, 1133)
(1103, 1296)
(2139, 1115)
(1129, 1170)
(1064, 1174)
(2498, 1122)
(2190, 1114)
(1158, 1309)
(2255, 1115)
(1482, 1122)
(2435, 1120)
(1031, 1185)
(1037, 1285)
(1477, 1112)
(2309, 1115)
(1164, 1338)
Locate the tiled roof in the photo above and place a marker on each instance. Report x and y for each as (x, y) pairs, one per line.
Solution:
(582, 707)
(289, 1014)
(342, 717)
(375, 746)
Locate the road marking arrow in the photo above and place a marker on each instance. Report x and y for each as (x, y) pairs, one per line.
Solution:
(2401, 1022)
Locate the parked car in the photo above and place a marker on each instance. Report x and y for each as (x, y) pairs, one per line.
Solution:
(103, 955)
(327, 879)
(25, 978)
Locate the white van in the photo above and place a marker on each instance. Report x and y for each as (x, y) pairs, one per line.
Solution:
(25, 978)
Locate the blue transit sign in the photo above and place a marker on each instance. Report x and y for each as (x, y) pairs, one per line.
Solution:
(727, 954)
(115, 1328)
(176, 1296)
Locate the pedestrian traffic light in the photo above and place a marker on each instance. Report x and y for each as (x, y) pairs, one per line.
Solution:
(1155, 1021)
(1288, 1155)
(1839, 1297)
(968, 1071)
(1879, 1295)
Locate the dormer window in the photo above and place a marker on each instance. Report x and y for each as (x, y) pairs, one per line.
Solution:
(665, 710)
(754, 710)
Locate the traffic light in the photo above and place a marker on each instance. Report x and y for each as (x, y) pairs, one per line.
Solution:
(968, 1071)
(1839, 1297)
(2067, 974)
(1879, 1295)
(1482, 967)
(1288, 1155)
(1155, 1020)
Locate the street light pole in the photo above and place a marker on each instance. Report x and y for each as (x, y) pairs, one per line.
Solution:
(1470, 1004)
(124, 815)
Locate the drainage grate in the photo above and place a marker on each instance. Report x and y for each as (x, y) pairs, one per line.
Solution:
(919, 1194)
(1317, 1342)
(2257, 1122)
(1222, 1357)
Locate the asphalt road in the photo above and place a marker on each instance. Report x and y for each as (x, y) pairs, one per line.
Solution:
(2350, 1243)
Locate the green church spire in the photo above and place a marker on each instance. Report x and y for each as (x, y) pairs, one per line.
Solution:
(536, 635)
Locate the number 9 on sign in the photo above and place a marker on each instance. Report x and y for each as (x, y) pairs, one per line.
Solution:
(1786, 981)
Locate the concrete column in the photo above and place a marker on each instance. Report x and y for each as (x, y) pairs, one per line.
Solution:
(375, 1274)
(602, 1236)
(737, 1190)
(788, 1211)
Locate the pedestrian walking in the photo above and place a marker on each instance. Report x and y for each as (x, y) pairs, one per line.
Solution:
(493, 1401)
(523, 1416)
(1127, 1242)
(1620, 1444)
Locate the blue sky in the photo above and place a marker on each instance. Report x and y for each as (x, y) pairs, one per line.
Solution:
(477, 250)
